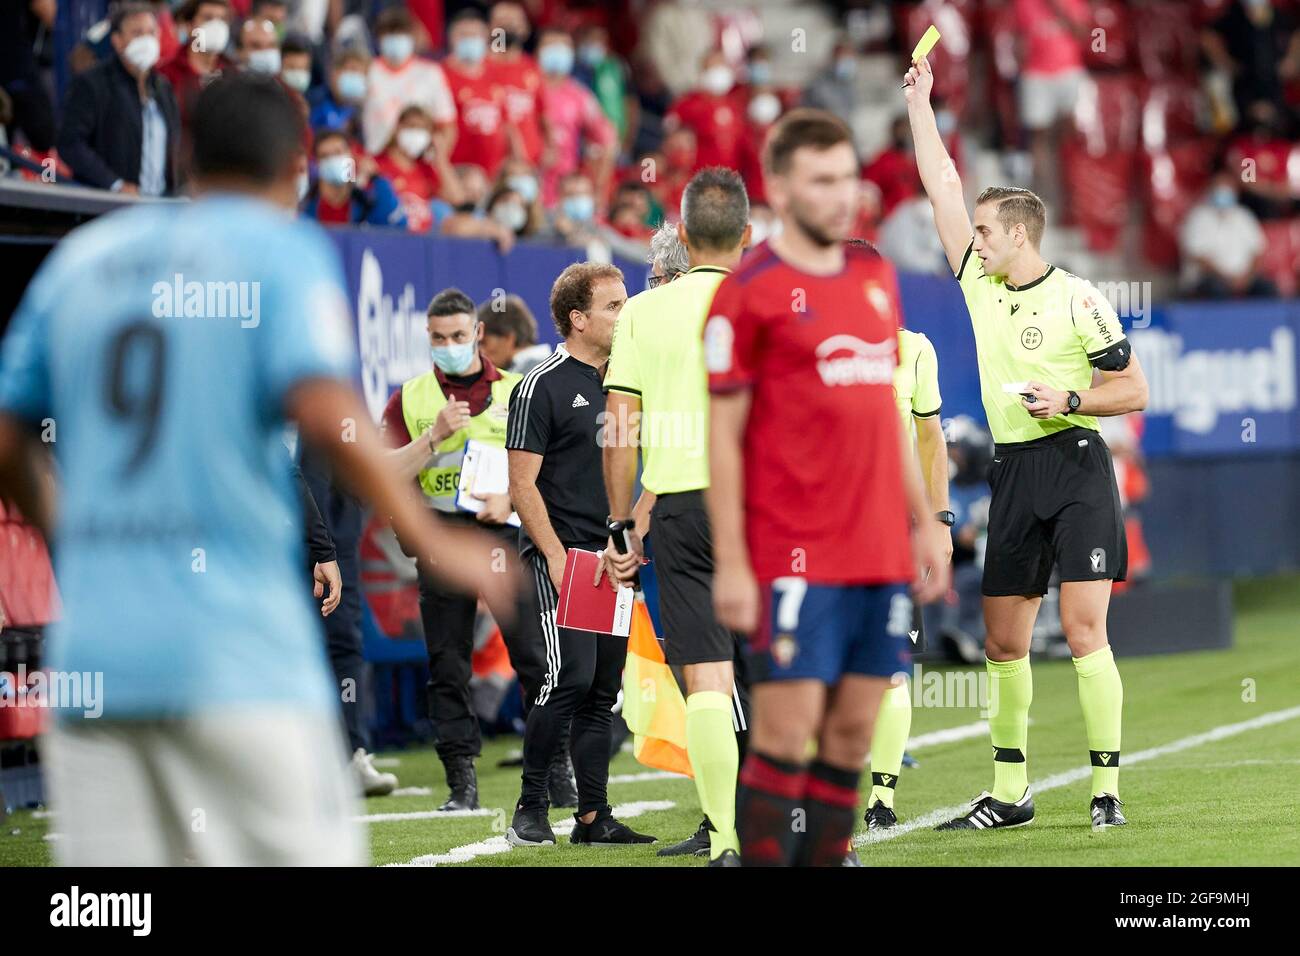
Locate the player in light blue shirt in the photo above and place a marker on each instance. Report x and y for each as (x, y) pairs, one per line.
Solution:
(158, 352)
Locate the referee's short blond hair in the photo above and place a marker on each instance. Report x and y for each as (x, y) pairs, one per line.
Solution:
(1014, 205)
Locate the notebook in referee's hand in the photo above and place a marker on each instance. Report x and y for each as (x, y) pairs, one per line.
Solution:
(606, 609)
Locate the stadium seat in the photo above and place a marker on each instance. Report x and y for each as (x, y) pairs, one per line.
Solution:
(1281, 259)
(999, 27)
(1098, 158)
(1113, 48)
(1170, 46)
(951, 58)
(1173, 180)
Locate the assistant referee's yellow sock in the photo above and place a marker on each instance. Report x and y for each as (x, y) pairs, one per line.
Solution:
(1101, 695)
(715, 760)
(1011, 690)
(888, 741)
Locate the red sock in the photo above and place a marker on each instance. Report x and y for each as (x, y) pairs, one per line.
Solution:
(767, 800)
(831, 801)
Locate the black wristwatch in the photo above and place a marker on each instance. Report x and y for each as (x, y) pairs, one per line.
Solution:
(1073, 403)
(947, 517)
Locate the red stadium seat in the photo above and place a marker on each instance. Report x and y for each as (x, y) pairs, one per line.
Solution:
(1173, 180)
(1171, 113)
(951, 58)
(1000, 32)
(1112, 48)
(1170, 44)
(1098, 158)
(1281, 259)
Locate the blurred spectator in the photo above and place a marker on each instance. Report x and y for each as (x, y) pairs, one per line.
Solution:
(634, 195)
(1261, 155)
(509, 331)
(834, 89)
(205, 27)
(519, 177)
(1052, 34)
(32, 113)
(275, 11)
(481, 137)
(418, 169)
(894, 170)
(259, 47)
(1221, 244)
(668, 257)
(713, 114)
(672, 169)
(575, 125)
(518, 76)
(121, 128)
(1258, 46)
(763, 108)
(295, 63)
(468, 218)
(970, 453)
(606, 75)
(338, 105)
(344, 194)
(908, 238)
(398, 79)
(676, 37)
(96, 44)
(507, 208)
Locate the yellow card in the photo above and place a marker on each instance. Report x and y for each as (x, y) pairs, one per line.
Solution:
(926, 43)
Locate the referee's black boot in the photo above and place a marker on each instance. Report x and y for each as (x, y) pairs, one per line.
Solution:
(561, 787)
(463, 782)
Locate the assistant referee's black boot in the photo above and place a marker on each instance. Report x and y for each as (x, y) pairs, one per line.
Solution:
(463, 782)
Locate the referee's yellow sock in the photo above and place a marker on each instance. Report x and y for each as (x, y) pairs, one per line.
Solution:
(1101, 695)
(715, 760)
(888, 741)
(1011, 690)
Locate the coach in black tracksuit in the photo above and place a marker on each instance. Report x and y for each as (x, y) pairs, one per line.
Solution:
(553, 438)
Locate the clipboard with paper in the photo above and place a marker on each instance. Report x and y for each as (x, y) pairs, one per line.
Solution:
(484, 470)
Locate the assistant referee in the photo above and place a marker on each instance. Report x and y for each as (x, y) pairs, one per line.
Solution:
(657, 400)
(1043, 336)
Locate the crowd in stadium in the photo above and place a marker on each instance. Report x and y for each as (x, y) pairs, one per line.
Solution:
(580, 123)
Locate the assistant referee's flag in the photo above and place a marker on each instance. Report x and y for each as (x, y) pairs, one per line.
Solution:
(653, 706)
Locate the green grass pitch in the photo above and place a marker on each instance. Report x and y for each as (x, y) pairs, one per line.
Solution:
(1219, 802)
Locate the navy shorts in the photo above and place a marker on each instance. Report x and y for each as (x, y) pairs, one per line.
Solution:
(824, 631)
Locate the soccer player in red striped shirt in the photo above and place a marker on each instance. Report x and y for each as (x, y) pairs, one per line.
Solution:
(819, 515)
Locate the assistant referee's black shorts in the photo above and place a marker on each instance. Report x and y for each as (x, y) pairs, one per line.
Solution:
(683, 551)
(1055, 500)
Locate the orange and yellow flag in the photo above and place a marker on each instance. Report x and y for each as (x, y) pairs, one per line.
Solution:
(653, 705)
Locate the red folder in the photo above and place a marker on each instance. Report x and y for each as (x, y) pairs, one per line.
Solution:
(605, 610)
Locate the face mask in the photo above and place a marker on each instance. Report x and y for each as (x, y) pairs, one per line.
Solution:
(760, 73)
(511, 215)
(526, 186)
(413, 141)
(142, 53)
(764, 108)
(1223, 198)
(471, 49)
(297, 79)
(352, 85)
(454, 359)
(592, 54)
(846, 67)
(578, 208)
(336, 170)
(211, 36)
(396, 48)
(264, 61)
(717, 80)
(945, 122)
(556, 59)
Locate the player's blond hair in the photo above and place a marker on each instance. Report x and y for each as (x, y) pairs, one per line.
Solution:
(1017, 205)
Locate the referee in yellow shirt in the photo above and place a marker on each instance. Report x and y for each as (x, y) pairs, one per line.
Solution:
(1042, 337)
(657, 400)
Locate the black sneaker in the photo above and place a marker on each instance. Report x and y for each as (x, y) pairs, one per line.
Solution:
(726, 858)
(989, 814)
(880, 817)
(530, 828)
(606, 831)
(1106, 813)
(697, 844)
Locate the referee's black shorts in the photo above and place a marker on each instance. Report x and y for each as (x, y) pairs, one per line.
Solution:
(1055, 500)
(683, 550)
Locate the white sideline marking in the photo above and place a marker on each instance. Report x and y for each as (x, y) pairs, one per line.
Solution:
(421, 815)
(948, 735)
(647, 776)
(386, 761)
(935, 817)
(498, 844)
(412, 792)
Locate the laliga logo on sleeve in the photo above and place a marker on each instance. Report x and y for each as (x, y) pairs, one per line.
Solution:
(867, 363)
(718, 340)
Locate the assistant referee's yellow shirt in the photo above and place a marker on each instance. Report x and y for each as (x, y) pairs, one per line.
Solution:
(1048, 331)
(916, 380)
(658, 354)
